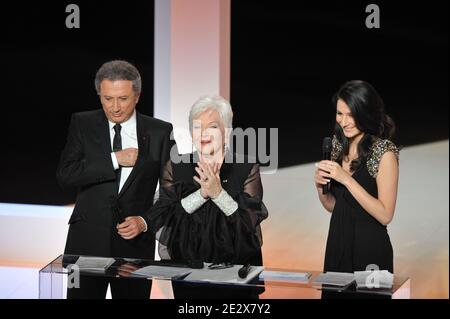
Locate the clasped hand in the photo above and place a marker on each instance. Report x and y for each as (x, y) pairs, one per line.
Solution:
(209, 179)
(329, 169)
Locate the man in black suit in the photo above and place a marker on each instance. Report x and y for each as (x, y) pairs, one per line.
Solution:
(115, 158)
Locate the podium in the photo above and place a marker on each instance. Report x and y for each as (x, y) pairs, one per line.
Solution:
(55, 277)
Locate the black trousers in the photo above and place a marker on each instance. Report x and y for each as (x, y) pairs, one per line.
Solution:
(121, 288)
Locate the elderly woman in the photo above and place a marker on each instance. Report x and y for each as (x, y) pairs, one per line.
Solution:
(210, 206)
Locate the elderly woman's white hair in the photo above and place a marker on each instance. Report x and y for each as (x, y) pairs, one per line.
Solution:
(216, 103)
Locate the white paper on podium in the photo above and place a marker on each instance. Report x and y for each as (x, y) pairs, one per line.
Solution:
(337, 279)
(161, 272)
(285, 276)
(94, 264)
(374, 279)
(226, 275)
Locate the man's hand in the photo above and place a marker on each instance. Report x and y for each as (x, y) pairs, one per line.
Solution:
(131, 227)
(127, 157)
(126, 269)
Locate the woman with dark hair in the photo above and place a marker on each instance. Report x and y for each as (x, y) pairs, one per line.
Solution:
(363, 173)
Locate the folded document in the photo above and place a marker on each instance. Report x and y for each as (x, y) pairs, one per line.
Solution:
(285, 276)
(162, 272)
(364, 279)
(336, 279)
(382, 279)
(94, 264)
(225, 275)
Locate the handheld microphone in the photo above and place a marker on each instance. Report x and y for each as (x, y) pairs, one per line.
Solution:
(244, 270)
(326, 155)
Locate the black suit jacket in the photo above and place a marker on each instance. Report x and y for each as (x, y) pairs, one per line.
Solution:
(86, 164)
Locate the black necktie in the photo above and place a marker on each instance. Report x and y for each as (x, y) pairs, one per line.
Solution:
(117, 146)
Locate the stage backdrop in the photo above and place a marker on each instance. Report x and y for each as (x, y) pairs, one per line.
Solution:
(284, 62)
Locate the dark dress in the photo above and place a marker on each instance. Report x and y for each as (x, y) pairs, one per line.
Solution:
(355, 238)
(207, 234)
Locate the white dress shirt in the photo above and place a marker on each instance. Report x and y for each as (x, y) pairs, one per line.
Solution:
(128, 134)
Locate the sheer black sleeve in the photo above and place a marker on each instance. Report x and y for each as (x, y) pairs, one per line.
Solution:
(250, 201)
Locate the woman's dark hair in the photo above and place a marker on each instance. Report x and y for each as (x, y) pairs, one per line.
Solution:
(367, 108)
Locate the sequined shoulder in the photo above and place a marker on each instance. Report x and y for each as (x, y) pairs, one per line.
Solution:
(336, 148)
(378, 149)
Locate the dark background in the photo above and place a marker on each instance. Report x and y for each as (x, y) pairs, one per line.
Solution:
(287, 60)
(50, 74)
